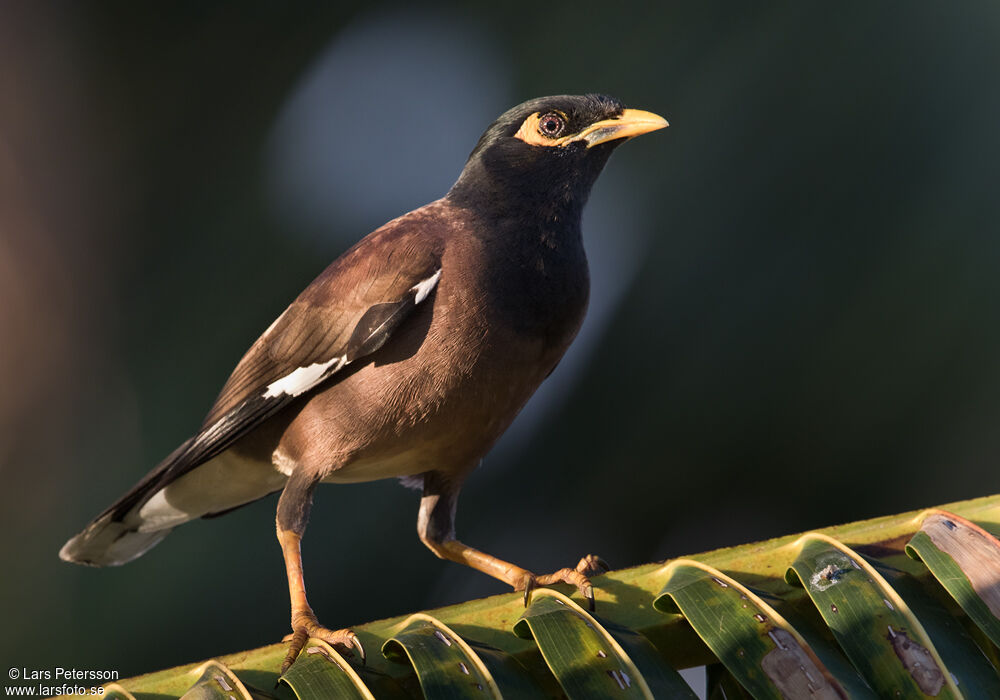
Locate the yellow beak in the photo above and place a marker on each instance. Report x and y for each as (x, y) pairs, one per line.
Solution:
(631, 122)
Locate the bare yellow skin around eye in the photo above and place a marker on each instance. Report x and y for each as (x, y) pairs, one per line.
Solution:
(631, 122)
(531, 134)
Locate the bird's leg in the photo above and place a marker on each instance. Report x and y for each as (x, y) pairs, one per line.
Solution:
(293, 515)
(436, 527)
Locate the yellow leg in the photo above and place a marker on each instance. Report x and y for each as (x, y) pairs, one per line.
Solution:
(521, 579)
(436, 527)
(304, 622)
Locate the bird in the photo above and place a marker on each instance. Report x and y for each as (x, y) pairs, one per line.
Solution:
(407, 357)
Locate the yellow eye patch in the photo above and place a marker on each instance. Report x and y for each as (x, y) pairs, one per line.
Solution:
(631, 122)
(532, 131)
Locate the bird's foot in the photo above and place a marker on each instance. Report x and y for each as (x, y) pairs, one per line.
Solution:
(590, 565)
(305, 626)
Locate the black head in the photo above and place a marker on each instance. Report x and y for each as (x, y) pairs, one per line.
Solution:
(545, 154)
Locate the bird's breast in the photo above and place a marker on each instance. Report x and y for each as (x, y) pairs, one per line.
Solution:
(537, 290)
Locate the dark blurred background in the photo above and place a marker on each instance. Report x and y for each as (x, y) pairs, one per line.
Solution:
(795, 301)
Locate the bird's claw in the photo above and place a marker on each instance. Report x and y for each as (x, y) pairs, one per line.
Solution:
(306, 627)
(529, 585)
(590, 565)
(593, 565)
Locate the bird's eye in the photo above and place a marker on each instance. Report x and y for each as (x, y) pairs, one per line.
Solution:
(551, 124)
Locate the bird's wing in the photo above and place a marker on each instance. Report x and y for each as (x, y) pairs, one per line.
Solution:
(348, 312)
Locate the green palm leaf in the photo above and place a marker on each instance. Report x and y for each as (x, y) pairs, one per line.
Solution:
(852, 583)
(965, 558)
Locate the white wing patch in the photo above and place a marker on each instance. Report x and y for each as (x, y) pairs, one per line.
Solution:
(424, 288)
(304, 378)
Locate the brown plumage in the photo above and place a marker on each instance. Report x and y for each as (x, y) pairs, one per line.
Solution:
(407, 357)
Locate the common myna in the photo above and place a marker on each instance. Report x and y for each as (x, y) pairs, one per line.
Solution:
(407, 357)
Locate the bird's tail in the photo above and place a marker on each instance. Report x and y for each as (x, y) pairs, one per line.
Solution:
(108, 542)
(121, 533)
(180, 489)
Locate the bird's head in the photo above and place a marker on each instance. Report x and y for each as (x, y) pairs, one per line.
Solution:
(548, 152)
